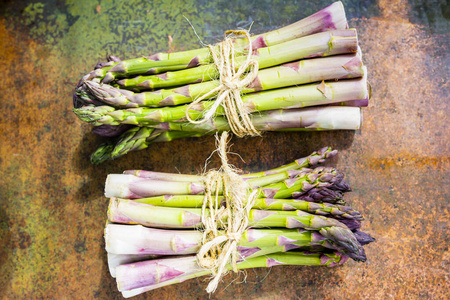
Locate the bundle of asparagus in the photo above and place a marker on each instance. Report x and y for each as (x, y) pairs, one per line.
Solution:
(299, 218)
(315, 62)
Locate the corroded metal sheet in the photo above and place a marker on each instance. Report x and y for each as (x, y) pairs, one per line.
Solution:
(52, 211)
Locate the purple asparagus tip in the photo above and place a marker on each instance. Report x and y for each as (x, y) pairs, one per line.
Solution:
(351, 224)
(113, 58)
(363, 238)
(110, 130)
(110, 60)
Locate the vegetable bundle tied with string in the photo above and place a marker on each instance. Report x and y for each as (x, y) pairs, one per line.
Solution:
(166, 228)
(305, 76)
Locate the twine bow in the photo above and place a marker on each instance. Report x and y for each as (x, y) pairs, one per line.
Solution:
(231, 82)
(219, 248)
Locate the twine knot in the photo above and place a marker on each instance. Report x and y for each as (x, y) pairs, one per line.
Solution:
(231, 82)
(234, 236)
(219, 248)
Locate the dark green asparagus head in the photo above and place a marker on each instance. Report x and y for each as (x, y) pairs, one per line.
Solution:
(92, 113)
(102, 153)
(344, 240)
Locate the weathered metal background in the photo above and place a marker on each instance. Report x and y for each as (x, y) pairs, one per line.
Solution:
(52, 211)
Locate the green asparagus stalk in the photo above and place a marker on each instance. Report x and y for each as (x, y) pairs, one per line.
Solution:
(320, 44)
(315, 158)
(136, 278)
(199, 179)
(312, 160)
(125, 211)
(323, 209)
(291, 74)
(329, 18)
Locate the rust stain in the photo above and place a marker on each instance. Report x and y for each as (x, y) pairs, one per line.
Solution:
(407, 160)
(396, 10)
(9, 52)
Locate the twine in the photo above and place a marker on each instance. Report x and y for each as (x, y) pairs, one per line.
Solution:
(231, 82)
(219, 248)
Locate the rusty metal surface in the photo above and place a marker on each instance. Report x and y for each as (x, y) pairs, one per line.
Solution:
(52, 211)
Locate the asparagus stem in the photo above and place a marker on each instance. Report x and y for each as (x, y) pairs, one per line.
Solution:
(323, 209)
(277, 185)
(291, 74)
(307, 119)
(126, 211)
(198, 178)
(137, 239)
(316, 45)
(115, 260)
(315, 158)
(329, 18)
(140, 277)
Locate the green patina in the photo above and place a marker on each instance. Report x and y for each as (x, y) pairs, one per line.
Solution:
(86, 31)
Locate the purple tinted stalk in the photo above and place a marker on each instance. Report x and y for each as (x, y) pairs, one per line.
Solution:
(312, 160)
(115, 260)
(133, 187)
(284, 184)
(137, 239)
(142, 275)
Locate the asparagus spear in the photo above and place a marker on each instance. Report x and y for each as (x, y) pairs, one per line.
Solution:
(315, 158)
(291, 74)
(137, 239)
(315, 45)
(343, 118)
(136, 278)
(275, 177)
(126, 211)
(323, 209)
(329, 18)
(270, 186)
(128, 243)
